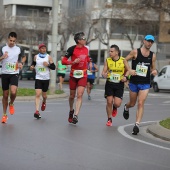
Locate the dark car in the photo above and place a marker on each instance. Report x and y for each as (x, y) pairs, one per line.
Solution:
(27, 73)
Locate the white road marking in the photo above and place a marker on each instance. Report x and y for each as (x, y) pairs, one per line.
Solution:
(166, 102)
(122, 131)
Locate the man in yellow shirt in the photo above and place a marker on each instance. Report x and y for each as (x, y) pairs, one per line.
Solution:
(114, 71)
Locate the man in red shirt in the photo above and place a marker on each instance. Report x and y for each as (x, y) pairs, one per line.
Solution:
(79, 54)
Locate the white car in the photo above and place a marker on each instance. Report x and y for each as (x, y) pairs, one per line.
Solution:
(162, 80)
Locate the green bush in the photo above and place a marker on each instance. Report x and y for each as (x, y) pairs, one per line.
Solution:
(165, 123)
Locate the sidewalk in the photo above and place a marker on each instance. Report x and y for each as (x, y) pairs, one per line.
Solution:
(158, 131)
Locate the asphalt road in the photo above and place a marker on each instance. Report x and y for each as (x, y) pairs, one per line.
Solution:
(52, 143)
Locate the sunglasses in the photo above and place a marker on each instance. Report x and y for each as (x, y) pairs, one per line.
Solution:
(83, 38)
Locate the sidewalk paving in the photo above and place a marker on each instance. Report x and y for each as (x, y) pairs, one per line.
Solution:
(158, 131)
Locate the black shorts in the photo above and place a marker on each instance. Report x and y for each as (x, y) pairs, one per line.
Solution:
(61, 75)
(42, 84)
(114, 89)
(9, 79)
(91, 81)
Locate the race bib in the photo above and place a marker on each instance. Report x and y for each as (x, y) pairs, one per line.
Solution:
(78, 73)
(114, 78)
(11, 66)
(141, 70)
(89, 72)
(41, 69)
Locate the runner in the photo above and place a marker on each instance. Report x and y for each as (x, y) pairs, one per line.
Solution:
(92, 68)
(114, 71)
(78, 74)
(61, 71)
(143, 64)
(12, 59)
(42, 63)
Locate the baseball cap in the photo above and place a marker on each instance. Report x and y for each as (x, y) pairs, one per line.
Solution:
(149, 37)
(41, 45)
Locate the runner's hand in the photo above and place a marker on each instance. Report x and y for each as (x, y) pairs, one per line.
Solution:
(132, 72)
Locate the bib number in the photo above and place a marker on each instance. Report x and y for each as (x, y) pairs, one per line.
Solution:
(114, 78)
(11, 66)
(41, 69)
(141, 70)
(89, 72)
(78, 73)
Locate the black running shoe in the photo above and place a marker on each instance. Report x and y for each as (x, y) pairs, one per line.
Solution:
(125, 113)
(75, 119)
(37, 115)
(135, 130)
(70, 118)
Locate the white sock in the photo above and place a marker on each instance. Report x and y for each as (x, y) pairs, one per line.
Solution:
(127, 109)
(137, 124)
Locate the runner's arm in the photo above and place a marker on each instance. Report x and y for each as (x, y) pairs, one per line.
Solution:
(51, 64)
(153, 67)
(96, 68)
(130, 56)
(33, 63)
(105, 68)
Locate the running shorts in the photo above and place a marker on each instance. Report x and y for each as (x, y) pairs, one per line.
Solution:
(136, 87)
(42, 84)
(61, 75)
(74, 82)
(9, 79)
(91, 81)
(114, 89)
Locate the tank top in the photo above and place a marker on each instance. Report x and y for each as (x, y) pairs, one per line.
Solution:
(142, 65)
(116, 69)
(91, 75)
(42, 72)
(61, 68)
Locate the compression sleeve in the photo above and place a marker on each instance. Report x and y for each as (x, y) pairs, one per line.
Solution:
(52, 66)
(65, 61)
(33, 63)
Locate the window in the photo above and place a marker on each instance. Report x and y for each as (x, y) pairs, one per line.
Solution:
(119, 1)
(163, 71)
(94, 55)
(33, 13)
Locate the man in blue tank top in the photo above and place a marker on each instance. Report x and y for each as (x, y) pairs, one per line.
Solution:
(143, 64)
(92, 68)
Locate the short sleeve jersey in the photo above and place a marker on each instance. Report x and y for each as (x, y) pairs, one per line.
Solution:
(81, 53)
(9, 64)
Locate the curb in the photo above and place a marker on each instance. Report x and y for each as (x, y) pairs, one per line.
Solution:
(31, 98)
(158, 131)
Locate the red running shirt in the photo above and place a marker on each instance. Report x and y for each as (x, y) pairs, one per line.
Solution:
(77, 52)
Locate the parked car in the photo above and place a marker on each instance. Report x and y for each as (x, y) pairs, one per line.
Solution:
(27, 73)
(162, 80)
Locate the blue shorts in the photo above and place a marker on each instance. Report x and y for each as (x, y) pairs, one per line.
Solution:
(137, 87)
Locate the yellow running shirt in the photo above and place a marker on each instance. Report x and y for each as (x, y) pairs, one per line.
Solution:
(116, 69)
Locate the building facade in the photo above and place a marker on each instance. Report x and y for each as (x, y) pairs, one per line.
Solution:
(105, 22)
